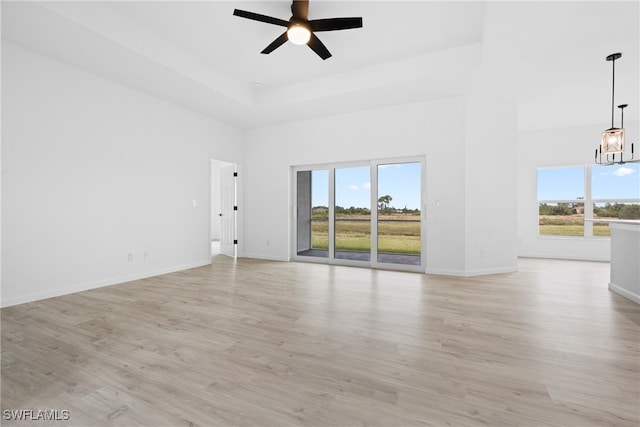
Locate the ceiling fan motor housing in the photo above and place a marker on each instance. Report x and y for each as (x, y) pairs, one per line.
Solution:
(299, 29)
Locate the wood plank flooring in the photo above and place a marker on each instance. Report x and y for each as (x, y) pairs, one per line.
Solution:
(259, 343)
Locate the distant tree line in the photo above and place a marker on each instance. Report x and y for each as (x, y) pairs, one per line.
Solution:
(558, 209)
(320, 212)
(618, 210)
(610, 210)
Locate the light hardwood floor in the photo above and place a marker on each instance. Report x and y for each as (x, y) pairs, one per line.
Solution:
(258, 343)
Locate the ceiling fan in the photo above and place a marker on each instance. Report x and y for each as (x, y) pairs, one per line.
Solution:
(300, 30)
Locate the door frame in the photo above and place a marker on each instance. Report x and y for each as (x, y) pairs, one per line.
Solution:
(215, 189)
(373, 262)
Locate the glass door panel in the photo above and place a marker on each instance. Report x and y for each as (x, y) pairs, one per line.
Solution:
(399, 214)
(352, 213)
(312, 214)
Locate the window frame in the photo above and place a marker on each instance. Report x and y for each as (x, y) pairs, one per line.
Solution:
(588, 202)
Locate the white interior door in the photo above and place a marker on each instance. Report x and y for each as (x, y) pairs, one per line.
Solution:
(227, 211)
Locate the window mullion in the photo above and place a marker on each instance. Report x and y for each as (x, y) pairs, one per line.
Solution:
(588, 203)
(332, 212)
(374, 212)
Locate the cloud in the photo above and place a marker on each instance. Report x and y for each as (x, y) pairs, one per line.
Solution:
(622, 171)
(365, 186)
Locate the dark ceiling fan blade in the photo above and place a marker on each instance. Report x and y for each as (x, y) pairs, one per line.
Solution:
(300, 9)
(276, 43)
(318, 47)
(333, 24)
(261, 18)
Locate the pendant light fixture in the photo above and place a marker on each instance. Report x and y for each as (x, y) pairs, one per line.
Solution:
(612, 139)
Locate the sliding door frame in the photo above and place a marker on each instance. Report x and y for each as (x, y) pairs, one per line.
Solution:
(373, 167)
(374, 214)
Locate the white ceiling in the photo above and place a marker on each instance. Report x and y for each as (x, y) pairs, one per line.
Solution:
(547, 56)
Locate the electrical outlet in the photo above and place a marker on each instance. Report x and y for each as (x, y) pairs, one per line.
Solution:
(146, 254)
(129, 256)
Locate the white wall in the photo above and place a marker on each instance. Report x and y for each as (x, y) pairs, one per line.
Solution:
(93, 170)
(557, 147)
(433, 129)
(491, 187)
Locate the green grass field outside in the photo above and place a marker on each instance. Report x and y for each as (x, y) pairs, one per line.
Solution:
(401, 236)
(569, 225)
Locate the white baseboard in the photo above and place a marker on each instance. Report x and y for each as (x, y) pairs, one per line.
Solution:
(624, 292)
(22, 299)
(562, 257)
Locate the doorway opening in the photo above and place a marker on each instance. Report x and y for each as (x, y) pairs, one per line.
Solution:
(223, 234)
(362, 214)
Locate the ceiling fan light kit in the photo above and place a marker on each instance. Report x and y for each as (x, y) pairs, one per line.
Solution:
(612, 140)
(300, 30)
(298, 34)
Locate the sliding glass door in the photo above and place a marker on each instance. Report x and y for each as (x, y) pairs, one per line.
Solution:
(361, 214)
(352, 213)
(312, 213)
(399, 228)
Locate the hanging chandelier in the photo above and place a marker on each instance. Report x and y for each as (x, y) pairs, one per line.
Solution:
(612, 140)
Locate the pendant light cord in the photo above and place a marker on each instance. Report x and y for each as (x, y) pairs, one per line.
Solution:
(613, 92)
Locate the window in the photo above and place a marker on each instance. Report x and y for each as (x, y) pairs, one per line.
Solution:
(561, 201)
(582, 200)
(616, 195)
